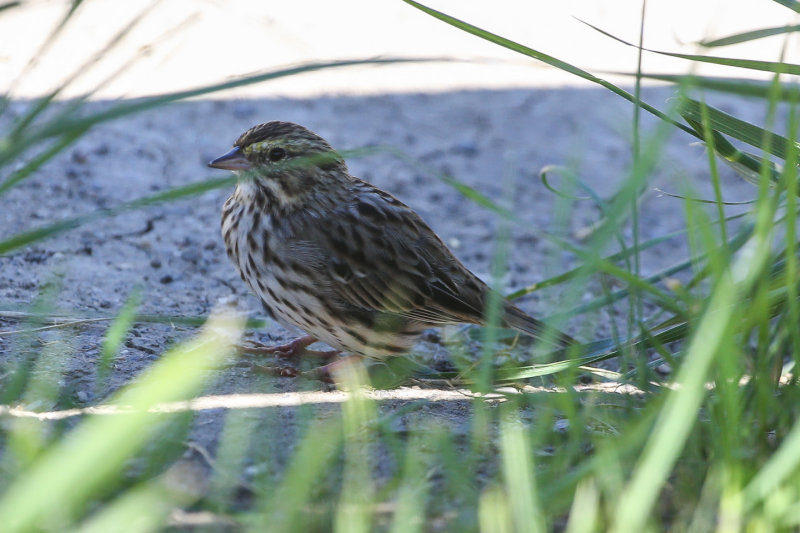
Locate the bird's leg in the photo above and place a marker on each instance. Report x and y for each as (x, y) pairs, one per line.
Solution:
(325, 373)
(286, 351)
(291, 350)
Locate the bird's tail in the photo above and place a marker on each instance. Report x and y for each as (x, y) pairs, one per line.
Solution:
(516, 318)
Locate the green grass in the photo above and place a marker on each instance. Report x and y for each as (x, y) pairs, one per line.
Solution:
(714, 446)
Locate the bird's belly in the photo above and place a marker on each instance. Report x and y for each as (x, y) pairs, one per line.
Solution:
(295, 294)
(291, 302)
(287, 296)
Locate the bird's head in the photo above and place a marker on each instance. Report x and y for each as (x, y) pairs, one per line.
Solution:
(284, 160)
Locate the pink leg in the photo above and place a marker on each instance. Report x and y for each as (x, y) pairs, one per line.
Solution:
(288, 350)
(293, 350)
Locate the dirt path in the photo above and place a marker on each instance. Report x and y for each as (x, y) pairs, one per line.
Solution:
(495, 137)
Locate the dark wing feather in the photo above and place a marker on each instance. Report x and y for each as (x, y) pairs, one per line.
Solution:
(381, 256)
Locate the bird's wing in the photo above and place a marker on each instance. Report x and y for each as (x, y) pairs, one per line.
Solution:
(379, 255)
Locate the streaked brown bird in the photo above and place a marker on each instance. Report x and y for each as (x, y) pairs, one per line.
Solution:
(346, 262)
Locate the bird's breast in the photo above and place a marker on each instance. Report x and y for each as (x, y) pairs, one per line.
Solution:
(269, 264)
(249, 240)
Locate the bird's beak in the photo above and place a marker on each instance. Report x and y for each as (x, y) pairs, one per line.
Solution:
(233, 160)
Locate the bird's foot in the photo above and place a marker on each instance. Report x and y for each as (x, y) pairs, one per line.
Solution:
(280, 371)
(322, 373)
(293, 350)
(290, 350)
(326, 373)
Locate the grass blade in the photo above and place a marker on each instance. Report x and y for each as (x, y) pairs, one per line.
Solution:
(72, 471)
(727, 124)
(518, 475)
(550, 60)
(764, 66)
(794, 5)
(749, 36)
(112, 341)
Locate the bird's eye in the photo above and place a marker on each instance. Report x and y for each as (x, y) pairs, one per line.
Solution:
(276, 154)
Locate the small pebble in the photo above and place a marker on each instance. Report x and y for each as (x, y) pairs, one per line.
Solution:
(664, 369)
(467, 148)
(191, 255)
(79, 157)
(561, 425)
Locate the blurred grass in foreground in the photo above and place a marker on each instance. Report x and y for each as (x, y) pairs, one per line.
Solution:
(714, 446)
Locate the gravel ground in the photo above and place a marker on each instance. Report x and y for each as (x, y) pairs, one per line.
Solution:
(490, 140)
(495, 139)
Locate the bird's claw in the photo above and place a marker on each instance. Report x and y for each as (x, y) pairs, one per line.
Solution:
(289, 350)
(323, 373)
(279, 371)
